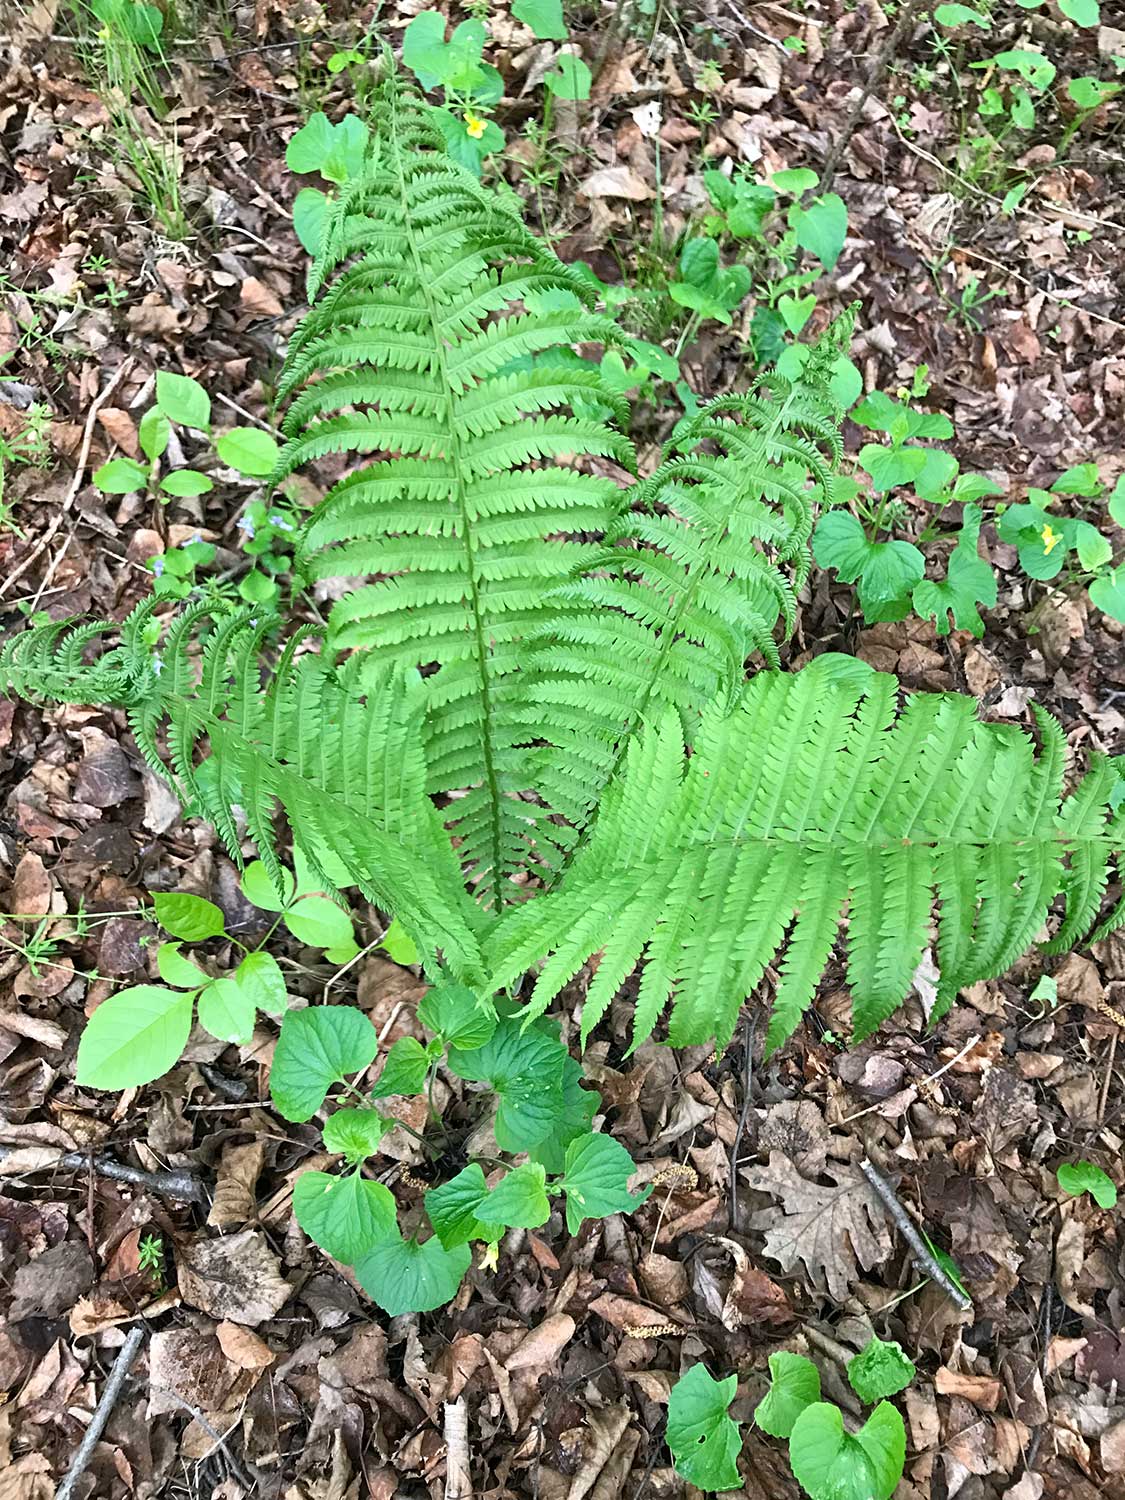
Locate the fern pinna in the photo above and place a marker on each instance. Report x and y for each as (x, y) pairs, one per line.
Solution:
(535, 671)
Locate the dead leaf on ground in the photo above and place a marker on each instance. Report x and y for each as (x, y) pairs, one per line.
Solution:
(825, 1228)
(237, 1278)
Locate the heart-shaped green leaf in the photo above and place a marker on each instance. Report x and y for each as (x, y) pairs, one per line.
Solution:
(317, 1048)
(346, 1216)
(401, 1276)
(704, 1439)
(794, 1384)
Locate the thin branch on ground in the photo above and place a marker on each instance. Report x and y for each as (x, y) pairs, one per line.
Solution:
(173, 1184)
(750, 1030)
(63, 511)
(102, 1412)
(923, 1257)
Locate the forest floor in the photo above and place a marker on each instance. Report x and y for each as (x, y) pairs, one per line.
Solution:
(264, 1371)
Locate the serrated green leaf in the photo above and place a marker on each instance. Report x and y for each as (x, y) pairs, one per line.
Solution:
(261, 978)
(1108, 593)
(317, 1048)
(794, 1384)
(829, 1462)
(962, 15)
(525, 1071)
(821, 228)
(181, 482)
(188, 917)
(310, 214)
(452, 1209)
(570, 78)
(595, 1180)
(402, 1276)
(519, 1200)
(121, 476)
(704, 1439)
(880, 1369)
(310, 145)
(398, 945)
(153, 432)
(579, 1106)
(356, 1133)
(404, 1071)
(346, 1216)
(134, 1037)
(887, 571)
(458, 1016)
(1082, 479)
(1081, 12)
(183, 400)
(794, 181)
(1084, 1177)
(1094, 550)
(259, 889)
(890, 467)
(969, 581)
(175, 969)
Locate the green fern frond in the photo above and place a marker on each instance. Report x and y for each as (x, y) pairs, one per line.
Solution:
(809, 801)
(430, 349)
(204, 718)
(692, 581)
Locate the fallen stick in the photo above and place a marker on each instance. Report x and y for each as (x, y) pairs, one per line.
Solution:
(905, 1225)
(458, 1478)
(121, 1366)
(79, 473)
(180, 1185)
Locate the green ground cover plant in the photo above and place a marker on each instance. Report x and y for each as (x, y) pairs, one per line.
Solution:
(829, 1459)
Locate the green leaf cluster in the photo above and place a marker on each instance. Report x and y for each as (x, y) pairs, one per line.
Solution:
(137, 1034)
(828, 1462)
(355, 1220)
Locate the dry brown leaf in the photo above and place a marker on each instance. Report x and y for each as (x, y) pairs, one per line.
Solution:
(543, 1344)
(616, 182)
(625, 1314)
(120, 426)
(236, 1278)
(828, 1229)
(259, 300)
(30, 895)
(243, 1348)
(982, 1390)
(235, 1201)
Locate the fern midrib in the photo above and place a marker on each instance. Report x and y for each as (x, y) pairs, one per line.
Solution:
(668, 640)
(459, 465)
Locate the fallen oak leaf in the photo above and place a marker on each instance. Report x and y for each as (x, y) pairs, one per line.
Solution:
(826, 1228)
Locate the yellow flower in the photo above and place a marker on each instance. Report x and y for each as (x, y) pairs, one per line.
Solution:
(474, 125)
(490, 1258)
(1050, 538)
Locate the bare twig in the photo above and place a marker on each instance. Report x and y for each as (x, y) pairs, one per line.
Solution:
(458, 1478)
(749, 1034)
(76, 483)
(923, 1258)
(121, 1366)
(180, 1185)
(874, 78)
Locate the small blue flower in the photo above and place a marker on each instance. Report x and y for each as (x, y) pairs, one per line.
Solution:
(246, 524)
(280, 522)
(158, 567)
(157, 664)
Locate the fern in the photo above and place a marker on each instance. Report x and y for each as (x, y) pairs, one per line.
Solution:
(354, 791)
(464, 524)
(532, 671)
(812, 797)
